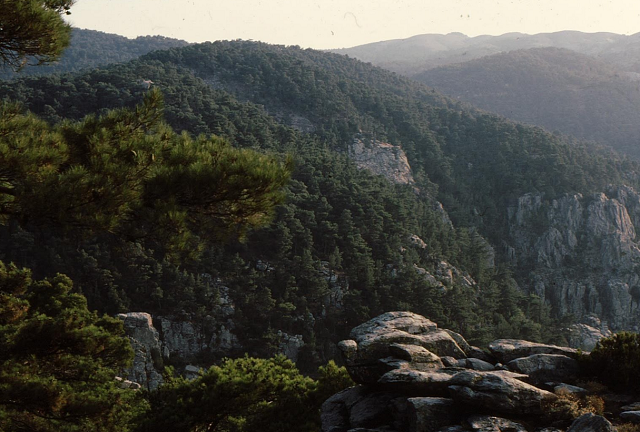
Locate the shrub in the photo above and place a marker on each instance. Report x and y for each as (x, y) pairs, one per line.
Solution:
(569, 406)
(615, 361)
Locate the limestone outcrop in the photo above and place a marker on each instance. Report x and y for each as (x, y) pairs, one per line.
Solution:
(145, 341)
(381, 158)
(413, 376)
(586, 334)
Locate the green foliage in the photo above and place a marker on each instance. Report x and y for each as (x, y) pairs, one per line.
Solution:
(616, 361)
(90, 48)
(33, 29)
(58, 361)
(127, 173)
(244, 394)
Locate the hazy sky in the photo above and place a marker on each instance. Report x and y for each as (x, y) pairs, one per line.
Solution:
(345, 23)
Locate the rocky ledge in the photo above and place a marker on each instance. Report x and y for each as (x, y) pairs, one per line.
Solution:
(413, 376)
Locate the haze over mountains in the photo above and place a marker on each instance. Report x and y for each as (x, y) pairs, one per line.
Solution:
(422, 52)
(581, 84)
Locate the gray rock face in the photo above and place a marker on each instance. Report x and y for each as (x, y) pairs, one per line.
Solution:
(497, 392)
(146, 347)
(182, 339)
(586, 335)
(381, 158)
(509, 349)
(290, 345)
(545, 367)
(446, 276)
(485, 423)
(427, 414)
(591, 423)
(584, 253)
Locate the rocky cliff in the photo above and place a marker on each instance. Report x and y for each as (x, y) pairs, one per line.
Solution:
(192, 342)
(581, 253)
(413, 376)
(381, 158)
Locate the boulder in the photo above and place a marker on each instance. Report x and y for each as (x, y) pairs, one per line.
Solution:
(192, 372)
(428, 414)
(416, 382)
(416, 354)
(563, 388)
(126, 384)
(484, 423)
(506, 350)
(630, 416)
(545, 367)
(591, 423)
(497, 391)
(449, 361)
(360, 407)
(403, 335)
(631, 407)
(475, 364)
(585, 337)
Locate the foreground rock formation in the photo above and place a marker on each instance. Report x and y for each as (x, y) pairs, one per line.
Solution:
(413, 376)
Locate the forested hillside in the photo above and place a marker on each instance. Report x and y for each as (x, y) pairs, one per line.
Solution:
(339, 250)
(557, 89)
(90, 49)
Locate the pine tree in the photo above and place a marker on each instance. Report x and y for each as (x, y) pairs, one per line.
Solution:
(58, 361)
(33, 29)
(127, 173)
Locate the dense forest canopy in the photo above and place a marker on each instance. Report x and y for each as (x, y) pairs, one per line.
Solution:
(90, 48)
(250, 93)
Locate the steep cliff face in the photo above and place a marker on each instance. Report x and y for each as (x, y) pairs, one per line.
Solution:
(148, 361)
(581, 253)
(381, 158)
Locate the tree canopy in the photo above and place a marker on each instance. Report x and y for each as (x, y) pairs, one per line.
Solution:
(33, 29)
(127, 173)
(58, 360)
(243, 395)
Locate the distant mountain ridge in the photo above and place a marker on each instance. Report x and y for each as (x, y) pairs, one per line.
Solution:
(422, 52)
(582, 84)
(558, 89)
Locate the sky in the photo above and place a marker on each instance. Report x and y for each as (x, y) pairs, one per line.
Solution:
(326, 24)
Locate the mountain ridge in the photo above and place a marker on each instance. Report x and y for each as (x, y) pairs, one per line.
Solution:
(400, 55)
